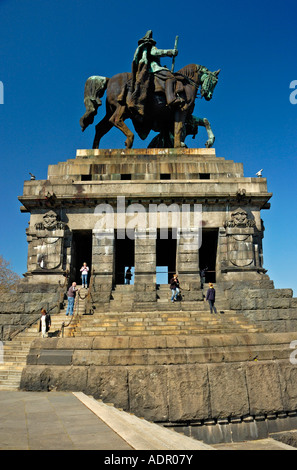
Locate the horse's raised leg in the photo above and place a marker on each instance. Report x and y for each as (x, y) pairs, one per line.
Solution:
(101, 129)
(211, 138)
(203, 122)
(117, 121)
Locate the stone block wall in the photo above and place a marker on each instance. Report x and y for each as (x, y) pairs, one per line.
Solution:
(23, 307)
(102, 266)
(174, 380)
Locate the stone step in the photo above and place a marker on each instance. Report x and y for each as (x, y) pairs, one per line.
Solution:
(9, 387)
(16, 368)
(163, 332)
(15, 359)
(9, 353)
(160, 305)
(164, 313)
(160, 322)
(164, 322)
(124, 328)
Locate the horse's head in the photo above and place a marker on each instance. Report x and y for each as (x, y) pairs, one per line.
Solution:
(208, 83)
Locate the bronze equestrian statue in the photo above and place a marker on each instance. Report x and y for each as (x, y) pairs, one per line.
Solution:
(152, 96)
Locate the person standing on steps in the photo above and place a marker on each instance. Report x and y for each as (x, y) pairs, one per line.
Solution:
(84, 275)
(202, 276)
(211, 297)
(128, 276)
(44, 323)
(71, 297)
(174, 286)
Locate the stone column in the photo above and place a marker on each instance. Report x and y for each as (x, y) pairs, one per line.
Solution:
(187, 263)
(102, 265)
(222, 258)
(145, 265)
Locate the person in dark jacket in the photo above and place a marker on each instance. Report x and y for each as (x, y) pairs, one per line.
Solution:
(174, 286)
(44, 323)
(211, 297)
(128, 276)
(202, 276)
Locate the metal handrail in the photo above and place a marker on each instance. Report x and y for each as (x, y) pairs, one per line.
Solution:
(63, 326)
(89, 295)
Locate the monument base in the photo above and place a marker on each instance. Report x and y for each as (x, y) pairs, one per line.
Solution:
(216, 388)
(216, 376)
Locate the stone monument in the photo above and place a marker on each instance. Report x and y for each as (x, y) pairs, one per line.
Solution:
(218, 377)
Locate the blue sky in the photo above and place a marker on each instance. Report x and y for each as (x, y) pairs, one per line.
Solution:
(49, 48)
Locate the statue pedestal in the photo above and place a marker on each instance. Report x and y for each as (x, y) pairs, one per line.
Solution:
(175, 363)
(173, 193)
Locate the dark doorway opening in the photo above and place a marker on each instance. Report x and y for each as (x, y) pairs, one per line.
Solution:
(124, 258)
(165, 258)
(81, 252)
(208, 253)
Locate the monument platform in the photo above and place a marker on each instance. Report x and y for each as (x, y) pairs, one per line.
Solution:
(188, 192)
(218, 377)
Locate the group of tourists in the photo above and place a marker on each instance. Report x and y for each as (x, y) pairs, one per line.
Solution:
(45, 320)
(210, 295)
(73, 289)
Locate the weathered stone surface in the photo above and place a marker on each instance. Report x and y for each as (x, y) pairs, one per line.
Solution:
(172, 378)
(288, 380)
(189, 393)
(263, 385)
(47, 378)
(148, 392)
(228, 391)
(24, 308)
(109, 384)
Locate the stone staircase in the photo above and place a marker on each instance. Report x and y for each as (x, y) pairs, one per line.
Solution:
(164, 323)
(123, 318)
(15, 351)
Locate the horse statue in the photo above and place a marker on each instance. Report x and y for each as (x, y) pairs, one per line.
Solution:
(173, 123)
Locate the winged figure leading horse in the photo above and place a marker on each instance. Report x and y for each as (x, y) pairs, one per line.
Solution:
(153, 97)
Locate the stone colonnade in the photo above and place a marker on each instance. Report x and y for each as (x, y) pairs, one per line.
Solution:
(103, 264)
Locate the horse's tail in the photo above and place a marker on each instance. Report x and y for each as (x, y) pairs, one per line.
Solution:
(95, 87)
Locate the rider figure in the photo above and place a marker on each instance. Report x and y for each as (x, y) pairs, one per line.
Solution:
(146, 64)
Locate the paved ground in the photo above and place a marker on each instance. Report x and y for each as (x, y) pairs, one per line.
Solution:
(52, 421)
(74, 421)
